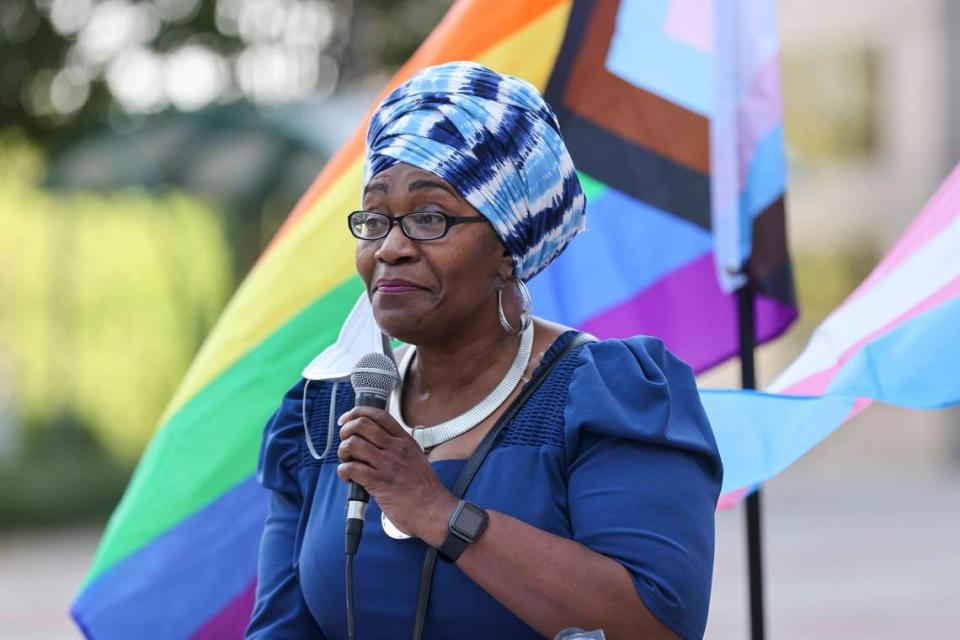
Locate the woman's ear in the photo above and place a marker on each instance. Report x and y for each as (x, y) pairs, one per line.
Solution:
(505, 272)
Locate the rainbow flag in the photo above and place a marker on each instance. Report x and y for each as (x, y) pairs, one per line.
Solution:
(633, 84)
(672, 112)
(896, 339)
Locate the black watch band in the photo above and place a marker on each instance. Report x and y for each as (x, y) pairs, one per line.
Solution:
(466, 525)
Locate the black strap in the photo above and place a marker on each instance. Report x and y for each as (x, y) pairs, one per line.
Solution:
(473, 465)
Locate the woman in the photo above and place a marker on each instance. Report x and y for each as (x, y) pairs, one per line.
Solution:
(595, 507)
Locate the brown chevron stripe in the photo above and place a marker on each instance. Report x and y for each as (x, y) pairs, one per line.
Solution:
(636, 171)
(632, 113)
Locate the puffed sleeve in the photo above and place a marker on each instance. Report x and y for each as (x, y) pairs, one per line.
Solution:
(279, 611)
(644, 474)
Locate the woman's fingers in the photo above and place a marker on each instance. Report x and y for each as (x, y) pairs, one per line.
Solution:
(356, 448)
(367, 429)
(363, 474)
(379, 416)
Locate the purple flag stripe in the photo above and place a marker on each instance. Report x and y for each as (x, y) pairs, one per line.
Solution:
(675, 307)
(232, 620)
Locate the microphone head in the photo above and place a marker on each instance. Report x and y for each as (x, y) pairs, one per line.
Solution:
(374, 373)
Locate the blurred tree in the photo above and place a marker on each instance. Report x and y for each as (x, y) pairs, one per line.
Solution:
(105, 302)
(75, 74)
(107, 297)
(67, 63)
(384, 33)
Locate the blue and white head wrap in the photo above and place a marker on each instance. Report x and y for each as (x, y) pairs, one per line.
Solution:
(497, 142)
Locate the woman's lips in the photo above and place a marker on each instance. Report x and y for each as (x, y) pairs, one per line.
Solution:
(397, 286)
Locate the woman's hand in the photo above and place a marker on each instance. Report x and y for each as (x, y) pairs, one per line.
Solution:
(376, 453)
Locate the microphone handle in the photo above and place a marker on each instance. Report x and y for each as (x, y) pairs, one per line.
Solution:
(356, 492)
(357, 496)
(377, 401)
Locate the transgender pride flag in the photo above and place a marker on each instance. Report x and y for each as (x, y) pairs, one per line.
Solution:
(896, 339)
(642, 88)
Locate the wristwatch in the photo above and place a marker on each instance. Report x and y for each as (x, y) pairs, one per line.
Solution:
(465, 527)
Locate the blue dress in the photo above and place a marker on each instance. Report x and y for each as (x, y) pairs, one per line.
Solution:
(613, 450)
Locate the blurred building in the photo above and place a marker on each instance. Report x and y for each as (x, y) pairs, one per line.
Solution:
(871, 95)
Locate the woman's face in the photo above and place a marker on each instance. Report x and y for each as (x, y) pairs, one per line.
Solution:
(430, 291)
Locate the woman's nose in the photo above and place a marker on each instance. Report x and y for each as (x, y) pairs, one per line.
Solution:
(396, 247)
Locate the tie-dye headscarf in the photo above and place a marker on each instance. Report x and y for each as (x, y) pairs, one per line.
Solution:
(497, 142)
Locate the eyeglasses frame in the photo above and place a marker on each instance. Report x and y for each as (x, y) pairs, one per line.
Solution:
(451, 221)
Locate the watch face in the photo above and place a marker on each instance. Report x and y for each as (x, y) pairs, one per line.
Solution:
(470, 520)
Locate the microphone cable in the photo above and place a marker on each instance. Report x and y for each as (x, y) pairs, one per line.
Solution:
(353, 531)
(351, 622)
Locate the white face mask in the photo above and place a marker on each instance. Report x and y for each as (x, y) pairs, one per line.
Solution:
(359, 336)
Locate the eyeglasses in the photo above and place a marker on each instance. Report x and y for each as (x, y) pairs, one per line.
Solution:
(419, 225)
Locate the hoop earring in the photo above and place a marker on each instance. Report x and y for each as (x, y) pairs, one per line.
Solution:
(526, 311)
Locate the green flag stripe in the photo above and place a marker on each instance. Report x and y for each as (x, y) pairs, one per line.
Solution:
(211, 444)
(592, 188)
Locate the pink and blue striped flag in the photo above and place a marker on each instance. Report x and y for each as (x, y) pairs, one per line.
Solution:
(896, 339)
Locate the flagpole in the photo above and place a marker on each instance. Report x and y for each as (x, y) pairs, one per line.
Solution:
(748, 380)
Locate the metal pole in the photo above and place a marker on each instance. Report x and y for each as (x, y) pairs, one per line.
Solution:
(952, 32)
(754, 539)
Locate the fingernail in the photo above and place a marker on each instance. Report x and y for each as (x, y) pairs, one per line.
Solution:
(341, 420)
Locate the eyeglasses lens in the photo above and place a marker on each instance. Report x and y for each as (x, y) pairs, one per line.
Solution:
(425, 225)
(369, 226)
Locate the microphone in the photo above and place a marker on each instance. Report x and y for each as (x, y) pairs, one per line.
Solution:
(373, 378)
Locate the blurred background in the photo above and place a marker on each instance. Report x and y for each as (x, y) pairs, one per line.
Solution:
(149, 150)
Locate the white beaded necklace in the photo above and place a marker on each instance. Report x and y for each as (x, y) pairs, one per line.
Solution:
(429, 437)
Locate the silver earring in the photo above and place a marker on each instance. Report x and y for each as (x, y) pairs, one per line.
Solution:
(526, 311)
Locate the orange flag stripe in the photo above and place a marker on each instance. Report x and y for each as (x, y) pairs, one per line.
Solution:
(464, 33)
